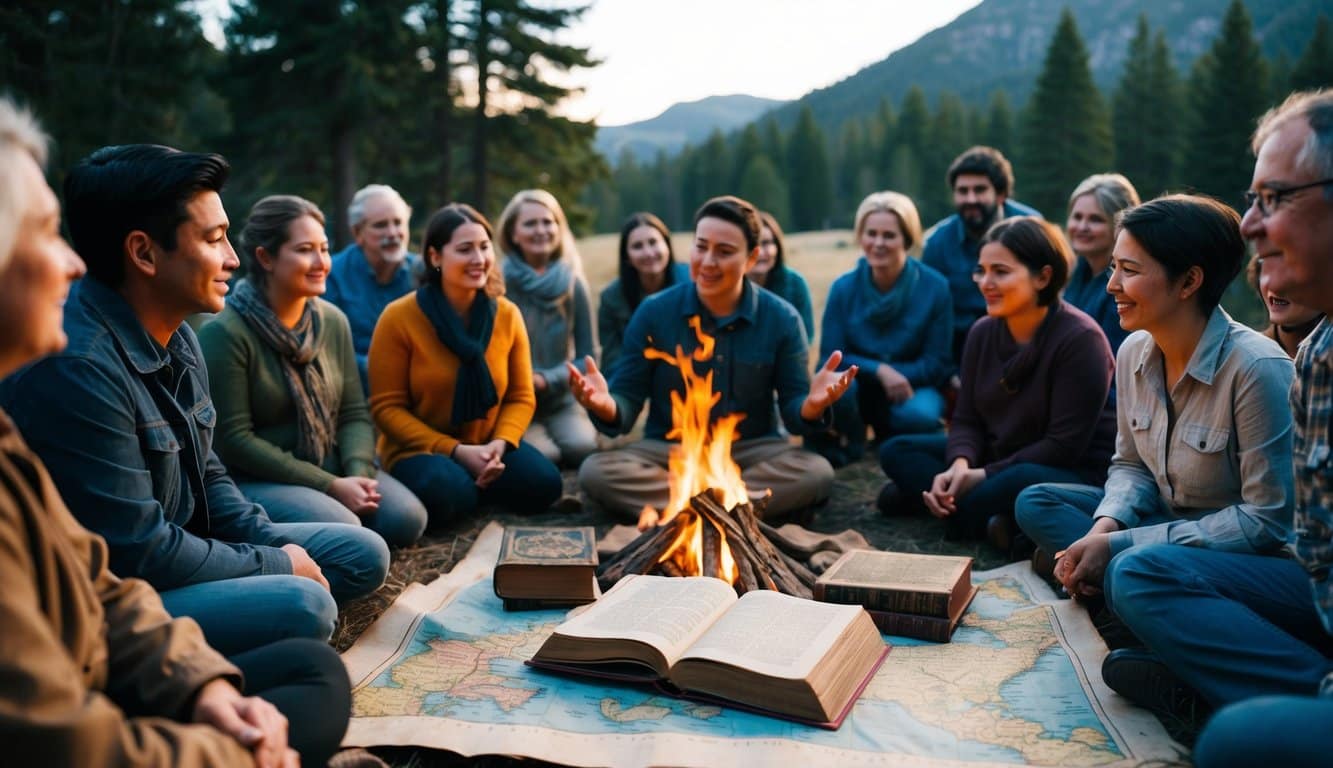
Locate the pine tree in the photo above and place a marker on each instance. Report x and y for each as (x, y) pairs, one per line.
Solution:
(512, 49)
(947, 139)
(881, 135)
(808, 174)
(1315, 67)
(775, 146)
(855, 174)
(999, 131)
(1145, 114)
(715, 166)
(1228, 92)
(748, 146)
(762, 185)
(1066, 130)
(905, 171)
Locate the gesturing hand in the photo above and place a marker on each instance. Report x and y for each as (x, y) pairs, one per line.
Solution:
(359, 494)
(591, 390)
(254, 722)
(827, 386)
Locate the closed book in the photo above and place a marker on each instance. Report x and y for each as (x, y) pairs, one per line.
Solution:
(922, 585)
(918, 627)
(547, 563)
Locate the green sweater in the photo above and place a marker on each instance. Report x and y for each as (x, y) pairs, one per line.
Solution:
(256, 431)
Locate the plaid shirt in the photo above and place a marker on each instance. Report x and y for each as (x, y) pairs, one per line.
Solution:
(1312, 410)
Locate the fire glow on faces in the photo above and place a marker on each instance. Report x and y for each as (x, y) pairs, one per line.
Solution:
(301, 266)
(1006, 283)
(382, 233)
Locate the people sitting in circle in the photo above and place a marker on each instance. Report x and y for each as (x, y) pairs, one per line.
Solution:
(759, 352)
(1288, 322)
(892, 317)
(770, 272)
(96, 672)
(451, 382)
(646, 266)
(1091, 226)
(543, 276)
(1033, 404)
(1203, 447)
(375, 268)
(124, 422)
(293, 426)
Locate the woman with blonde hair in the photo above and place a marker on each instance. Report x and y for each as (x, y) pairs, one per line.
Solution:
(892, 317)
(1091, 228)
(543, 276)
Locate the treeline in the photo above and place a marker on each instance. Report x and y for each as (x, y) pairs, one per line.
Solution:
(315, 98)
(1165, 130)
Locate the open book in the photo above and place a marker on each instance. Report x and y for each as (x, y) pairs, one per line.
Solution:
(766, 652)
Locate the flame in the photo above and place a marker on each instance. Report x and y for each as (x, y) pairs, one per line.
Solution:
(701, 458)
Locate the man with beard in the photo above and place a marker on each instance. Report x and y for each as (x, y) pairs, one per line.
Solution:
(981, 179)
(376, 268)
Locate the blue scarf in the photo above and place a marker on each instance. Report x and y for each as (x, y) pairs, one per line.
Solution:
(474, 392)
(884, 309)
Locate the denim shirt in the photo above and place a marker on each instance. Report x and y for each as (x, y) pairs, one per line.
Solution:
(1087, 291)
(125, 428)
(951, 253)
(352, 287)
(1217, 457)
(1312, 406)
(760, 348)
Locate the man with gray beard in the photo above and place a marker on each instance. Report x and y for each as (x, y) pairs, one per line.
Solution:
(376, 268)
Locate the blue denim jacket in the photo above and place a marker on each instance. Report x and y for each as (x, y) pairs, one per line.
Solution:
(760, 349)
(1216, 459)
(352, 287)
(125, 429)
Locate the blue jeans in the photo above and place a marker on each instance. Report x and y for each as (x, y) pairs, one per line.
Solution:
(1232, 626)
(913, 461)
(529, 484)
(239, 615)
(864, 404)
(1055, 515)
(1289, 731)
(400, 519)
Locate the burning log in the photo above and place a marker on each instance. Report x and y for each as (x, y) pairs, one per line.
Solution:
(640, 555)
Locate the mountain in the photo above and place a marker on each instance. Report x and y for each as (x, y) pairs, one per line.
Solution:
(1001, 44)
(685, 123)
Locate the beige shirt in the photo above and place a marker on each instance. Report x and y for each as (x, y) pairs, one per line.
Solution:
(95, 672)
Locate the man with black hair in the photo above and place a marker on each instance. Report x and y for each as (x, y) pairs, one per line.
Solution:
(124, 421)
(981, 180)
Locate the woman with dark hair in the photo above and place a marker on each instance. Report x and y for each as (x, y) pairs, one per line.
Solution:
(292, 421)
(1288, 323)
(647, 265)
(1203, 451)
(891, 316)
(1091, 227)
(1032, 406)
(770, 272)
(543, 276)
(451, 381)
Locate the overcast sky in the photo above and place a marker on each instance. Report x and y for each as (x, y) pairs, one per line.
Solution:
(656, 53)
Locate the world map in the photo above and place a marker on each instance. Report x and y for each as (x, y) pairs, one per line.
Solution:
(1011, 688)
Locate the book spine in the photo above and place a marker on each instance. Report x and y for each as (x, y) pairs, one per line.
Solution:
(907, 625)
(897, 601)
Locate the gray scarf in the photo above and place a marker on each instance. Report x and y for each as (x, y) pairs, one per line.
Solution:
(549, 288)
(312, 393)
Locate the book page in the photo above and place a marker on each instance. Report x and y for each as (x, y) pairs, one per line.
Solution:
(666, 613)
(774, 634)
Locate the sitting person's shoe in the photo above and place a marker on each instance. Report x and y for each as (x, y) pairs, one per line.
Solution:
(1000, 532)
(1043, 564)
(890, 500)
(1141, 677)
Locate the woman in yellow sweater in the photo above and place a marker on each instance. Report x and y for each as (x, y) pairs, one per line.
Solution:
(451, 381)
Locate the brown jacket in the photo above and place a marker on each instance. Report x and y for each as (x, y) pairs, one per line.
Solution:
(93, 672)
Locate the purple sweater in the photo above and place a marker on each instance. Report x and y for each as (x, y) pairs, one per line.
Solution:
(1058, 416)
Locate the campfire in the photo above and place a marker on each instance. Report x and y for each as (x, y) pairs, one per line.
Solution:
(709, 526)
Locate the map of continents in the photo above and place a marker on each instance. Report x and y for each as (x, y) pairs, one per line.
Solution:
(1004, 690)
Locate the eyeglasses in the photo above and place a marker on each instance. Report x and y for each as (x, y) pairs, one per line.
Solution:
(1269, 198)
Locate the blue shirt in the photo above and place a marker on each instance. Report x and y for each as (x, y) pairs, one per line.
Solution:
(951, 252)
(125, 428)
(352, 287)
(1087, 291)
(760, 349)
(790, 286)
(1211, 453)
(917, 341)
